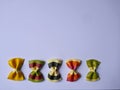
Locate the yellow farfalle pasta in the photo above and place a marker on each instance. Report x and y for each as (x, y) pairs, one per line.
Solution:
(16, 64)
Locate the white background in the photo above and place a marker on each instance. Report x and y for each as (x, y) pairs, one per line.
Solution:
(43, 29)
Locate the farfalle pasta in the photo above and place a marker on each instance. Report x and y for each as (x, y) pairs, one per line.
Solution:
(54, 65)
(16, 64)
(36, 75)
(92, 74)
(73, 64)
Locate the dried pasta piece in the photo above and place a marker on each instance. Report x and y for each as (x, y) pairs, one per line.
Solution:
(16, 64)
(54, 65)
(73, 64)
(92, 74)
(36, 75)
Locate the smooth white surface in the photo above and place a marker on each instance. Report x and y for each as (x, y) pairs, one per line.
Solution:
(43, 29)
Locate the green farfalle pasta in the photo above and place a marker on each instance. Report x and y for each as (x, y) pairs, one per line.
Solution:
(92, 74)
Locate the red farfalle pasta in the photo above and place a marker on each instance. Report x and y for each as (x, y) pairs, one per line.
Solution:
(36, 75)
(73, 64)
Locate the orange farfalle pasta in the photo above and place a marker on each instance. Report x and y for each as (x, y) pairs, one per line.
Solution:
(73, 64)
(16, 64)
